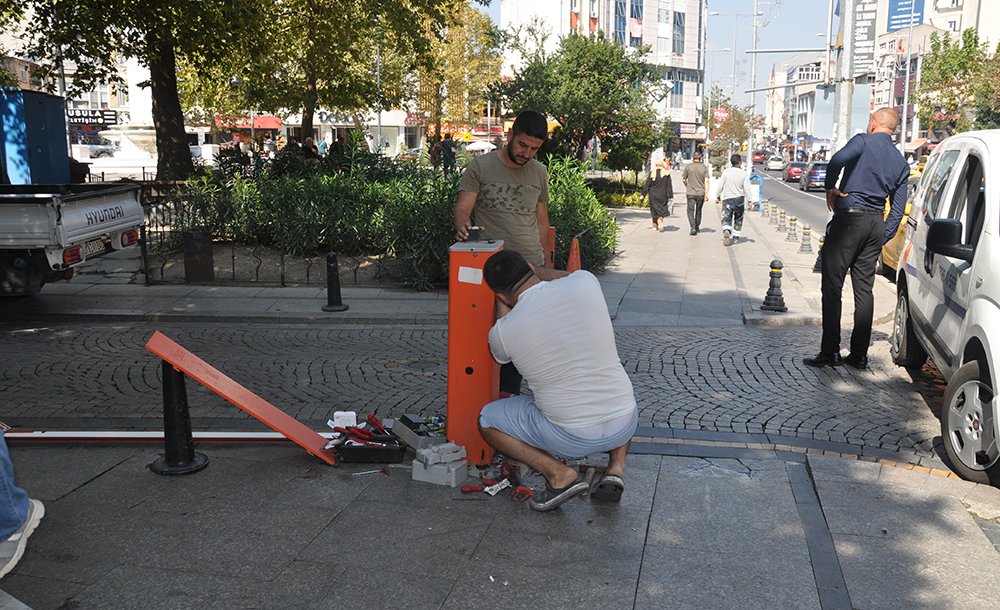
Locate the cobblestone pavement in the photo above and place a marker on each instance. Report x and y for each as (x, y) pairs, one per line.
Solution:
(744, 380)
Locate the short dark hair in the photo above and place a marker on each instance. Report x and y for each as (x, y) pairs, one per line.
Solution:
(735, 160)
(504, 270)
(531, 123)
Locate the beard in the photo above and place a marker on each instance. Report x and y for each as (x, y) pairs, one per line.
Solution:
(513, 159)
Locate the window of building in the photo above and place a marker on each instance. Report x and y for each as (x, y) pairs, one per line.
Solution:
(663, 12)
(634, 42)
(956, 3)
(593, 8)
(620, 21)
(677, 95)
(635, 9)
(953, 25)
(678, 33)
(662, 45)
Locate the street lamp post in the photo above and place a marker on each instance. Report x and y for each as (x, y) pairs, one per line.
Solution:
(756, 13)
(708, 94)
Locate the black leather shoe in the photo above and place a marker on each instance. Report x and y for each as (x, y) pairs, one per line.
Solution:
(821, 360)
(858, 362)
(694, 231)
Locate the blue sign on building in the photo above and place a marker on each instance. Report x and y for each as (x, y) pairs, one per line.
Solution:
(900, 11)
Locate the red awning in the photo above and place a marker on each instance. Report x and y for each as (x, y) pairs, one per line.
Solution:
(260, 121)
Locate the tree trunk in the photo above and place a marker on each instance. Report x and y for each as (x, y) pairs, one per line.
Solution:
(310, 106)
(173, 157)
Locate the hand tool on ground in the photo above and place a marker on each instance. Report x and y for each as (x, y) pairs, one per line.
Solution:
(469, 489)
(521, 493)
(375, 423)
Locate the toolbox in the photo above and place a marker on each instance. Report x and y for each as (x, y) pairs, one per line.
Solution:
(370, 442)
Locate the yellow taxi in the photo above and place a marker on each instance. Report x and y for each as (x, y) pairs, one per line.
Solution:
(888, 261)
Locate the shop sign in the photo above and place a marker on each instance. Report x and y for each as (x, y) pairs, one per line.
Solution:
(87, 116)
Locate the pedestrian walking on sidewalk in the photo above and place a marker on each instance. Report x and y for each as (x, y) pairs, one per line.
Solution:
(695, 177)
(873, 169)
(732, 190)
(508, 190)
(660, 190)
(19, 515)
(555, 327)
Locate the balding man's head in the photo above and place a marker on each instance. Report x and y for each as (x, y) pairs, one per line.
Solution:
(884, 120)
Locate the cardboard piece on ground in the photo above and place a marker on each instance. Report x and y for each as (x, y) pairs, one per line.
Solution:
(213, 379)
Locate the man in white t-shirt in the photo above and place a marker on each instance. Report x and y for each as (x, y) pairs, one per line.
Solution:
(554, 326)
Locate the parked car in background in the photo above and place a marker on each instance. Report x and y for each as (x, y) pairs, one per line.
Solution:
(792, 171)
(948, 296)
(813, 176)
(774, 163)
(103, 148)
(759, 155)
(410, 154)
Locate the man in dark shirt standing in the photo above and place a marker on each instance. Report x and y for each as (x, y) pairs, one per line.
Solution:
(873, 170)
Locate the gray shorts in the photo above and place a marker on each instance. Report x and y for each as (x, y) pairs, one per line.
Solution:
(518, 417)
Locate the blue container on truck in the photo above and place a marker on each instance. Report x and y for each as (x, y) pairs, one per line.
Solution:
(33, 147)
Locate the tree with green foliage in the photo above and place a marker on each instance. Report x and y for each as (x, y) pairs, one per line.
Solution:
(631, 149)
(96, 36)
(951, 80)
(454, 84)
(729, 134)
(591, 86)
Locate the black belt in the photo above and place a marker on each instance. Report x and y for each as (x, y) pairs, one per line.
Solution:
(852, 210)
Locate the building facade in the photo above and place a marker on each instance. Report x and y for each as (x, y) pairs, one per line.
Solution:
(673, 30)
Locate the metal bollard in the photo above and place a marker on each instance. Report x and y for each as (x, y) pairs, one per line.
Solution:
(774, 300)
(774, 215)
(178, 444)
(818, 266)
(806, 247)
(781, 221)
(333, 300)
(793, 234)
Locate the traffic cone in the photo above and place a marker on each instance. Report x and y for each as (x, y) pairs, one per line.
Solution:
(550, 249)
(573, 262)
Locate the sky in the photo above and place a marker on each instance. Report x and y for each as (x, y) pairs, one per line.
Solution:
(785, 24)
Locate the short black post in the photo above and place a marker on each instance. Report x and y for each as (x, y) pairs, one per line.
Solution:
(333, 300)
(179, 455)
(774, 300)
(806, 247)
(818, 266)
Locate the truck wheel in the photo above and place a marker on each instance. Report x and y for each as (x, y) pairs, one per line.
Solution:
(904, 348)
(967, 409)
(20, 274)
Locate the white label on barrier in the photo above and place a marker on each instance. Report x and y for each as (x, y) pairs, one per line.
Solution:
(470, 275)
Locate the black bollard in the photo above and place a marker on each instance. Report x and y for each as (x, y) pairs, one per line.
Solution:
(333, 300)
(818, 266)
(774, 300)
(178, 445)
(806, 247)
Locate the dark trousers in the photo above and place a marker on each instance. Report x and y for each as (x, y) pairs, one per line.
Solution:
(854, 241)
(732, 214)
(510, 379)
(695, 204)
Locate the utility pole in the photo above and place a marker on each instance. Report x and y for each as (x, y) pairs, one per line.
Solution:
(753, 91)
(906, 84)
(844, 94)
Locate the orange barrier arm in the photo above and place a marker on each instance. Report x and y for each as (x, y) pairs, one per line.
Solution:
(213, 379)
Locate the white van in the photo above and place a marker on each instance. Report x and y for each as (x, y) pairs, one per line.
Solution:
(948, 295)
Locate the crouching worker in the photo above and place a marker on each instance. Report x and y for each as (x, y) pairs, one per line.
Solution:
(554, 326)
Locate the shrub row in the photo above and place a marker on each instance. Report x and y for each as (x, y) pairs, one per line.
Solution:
(398, 210)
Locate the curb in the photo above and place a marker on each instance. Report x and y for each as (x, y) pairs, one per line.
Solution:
(328, 319)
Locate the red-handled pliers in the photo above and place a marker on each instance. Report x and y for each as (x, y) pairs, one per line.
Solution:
(374, 421)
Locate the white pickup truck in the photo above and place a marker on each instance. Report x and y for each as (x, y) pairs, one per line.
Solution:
(47, 230)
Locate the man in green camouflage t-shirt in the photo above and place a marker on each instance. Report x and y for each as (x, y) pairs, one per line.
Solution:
(508, 191)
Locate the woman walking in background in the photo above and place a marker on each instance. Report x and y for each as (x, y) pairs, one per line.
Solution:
(660, 190)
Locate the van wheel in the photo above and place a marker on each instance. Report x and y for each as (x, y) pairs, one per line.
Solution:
(903, 345)
(966, 413)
